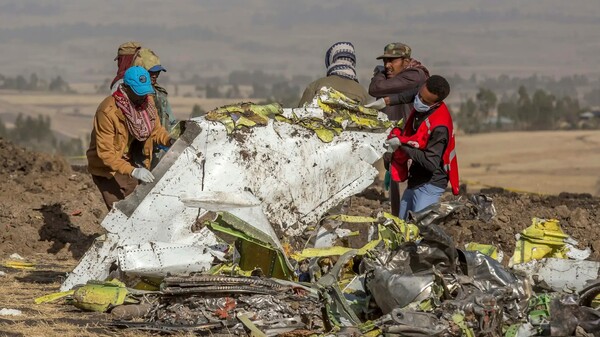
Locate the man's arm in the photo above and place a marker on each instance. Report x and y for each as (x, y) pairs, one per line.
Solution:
(405, 97)
(381, 86)
(430, 157)
(160, 135)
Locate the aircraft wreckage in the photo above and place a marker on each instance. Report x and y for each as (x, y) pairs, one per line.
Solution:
(200, 250)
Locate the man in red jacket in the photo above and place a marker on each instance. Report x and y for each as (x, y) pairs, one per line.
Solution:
(434, 163)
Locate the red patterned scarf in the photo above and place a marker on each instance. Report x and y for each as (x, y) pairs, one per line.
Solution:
(140, 120)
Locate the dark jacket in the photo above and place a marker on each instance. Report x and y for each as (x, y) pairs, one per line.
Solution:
(348, 87)
(410, 78)
(427, 164)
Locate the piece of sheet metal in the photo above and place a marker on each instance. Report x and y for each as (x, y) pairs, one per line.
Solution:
(295, 176)
(160, 259)
(560, 274)
(392, 291)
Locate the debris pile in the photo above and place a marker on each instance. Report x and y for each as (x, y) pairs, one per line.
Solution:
(578, 215)
(410, 279)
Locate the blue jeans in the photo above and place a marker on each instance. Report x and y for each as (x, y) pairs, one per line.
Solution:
(416, 199)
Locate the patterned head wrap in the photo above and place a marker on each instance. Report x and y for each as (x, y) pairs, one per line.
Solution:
(340, 60)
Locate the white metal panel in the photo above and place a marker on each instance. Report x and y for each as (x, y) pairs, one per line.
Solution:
(561, 274)
(293, 175)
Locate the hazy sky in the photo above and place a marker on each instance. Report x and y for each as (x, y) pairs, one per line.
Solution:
(79, 38)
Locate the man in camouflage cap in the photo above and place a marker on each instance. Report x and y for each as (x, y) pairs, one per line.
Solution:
(398, 74)
(394, 50)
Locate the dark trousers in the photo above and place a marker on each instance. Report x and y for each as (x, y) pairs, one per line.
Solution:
(115, 188)
(396, 191)
(395, 197)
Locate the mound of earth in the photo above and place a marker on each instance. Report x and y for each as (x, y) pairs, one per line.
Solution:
(45, 206)
(579, 216)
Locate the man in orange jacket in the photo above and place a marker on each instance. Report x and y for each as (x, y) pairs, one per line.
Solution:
(126, 125)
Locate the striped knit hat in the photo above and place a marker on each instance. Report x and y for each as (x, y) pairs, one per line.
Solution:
(340, 60)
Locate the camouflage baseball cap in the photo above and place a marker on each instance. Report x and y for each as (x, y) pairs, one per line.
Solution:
(395, 50)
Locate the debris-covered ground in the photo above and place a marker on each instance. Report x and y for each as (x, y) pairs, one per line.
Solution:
(407, 280)
(579, 216)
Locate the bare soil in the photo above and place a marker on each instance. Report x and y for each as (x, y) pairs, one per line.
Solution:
(46, 206)
(579, 216)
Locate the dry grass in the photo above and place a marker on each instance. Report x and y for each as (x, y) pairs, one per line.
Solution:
(20, 288)
(72, 114)
(547, 162)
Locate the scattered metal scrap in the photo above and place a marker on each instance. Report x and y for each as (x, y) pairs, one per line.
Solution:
(410, 280)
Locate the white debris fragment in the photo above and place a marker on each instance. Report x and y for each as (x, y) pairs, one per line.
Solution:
(279, 176)
(576, 253)
(560, 274)
(10, 312)
(16, 256)
(160, 259)
(2, 273)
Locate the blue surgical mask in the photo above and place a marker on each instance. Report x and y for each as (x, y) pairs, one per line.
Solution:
(420, 106)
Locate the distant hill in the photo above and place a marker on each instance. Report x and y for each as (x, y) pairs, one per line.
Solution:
(78, 39)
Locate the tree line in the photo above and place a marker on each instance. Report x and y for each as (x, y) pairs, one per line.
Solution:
(34, 83)
(522, 110)
(36, 133)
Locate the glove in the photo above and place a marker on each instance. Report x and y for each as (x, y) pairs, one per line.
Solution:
(142, 174)
(393, 144)
(377, 104)
(379, 69)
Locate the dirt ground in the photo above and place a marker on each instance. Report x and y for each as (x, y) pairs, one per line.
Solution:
(46, 206)
(50, 214)
(579, 216)
(546, 162)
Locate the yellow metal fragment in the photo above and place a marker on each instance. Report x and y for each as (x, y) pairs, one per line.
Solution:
(543, 239)
(53, 297)
(18, 264)
(488, 250)
(100, 296)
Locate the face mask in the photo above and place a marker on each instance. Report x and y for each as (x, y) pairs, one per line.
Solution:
(420, 106)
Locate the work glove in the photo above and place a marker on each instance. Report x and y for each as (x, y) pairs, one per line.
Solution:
(142, 174)
(378, 69)
(166, 147)
(393, 144)
(377, 104)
